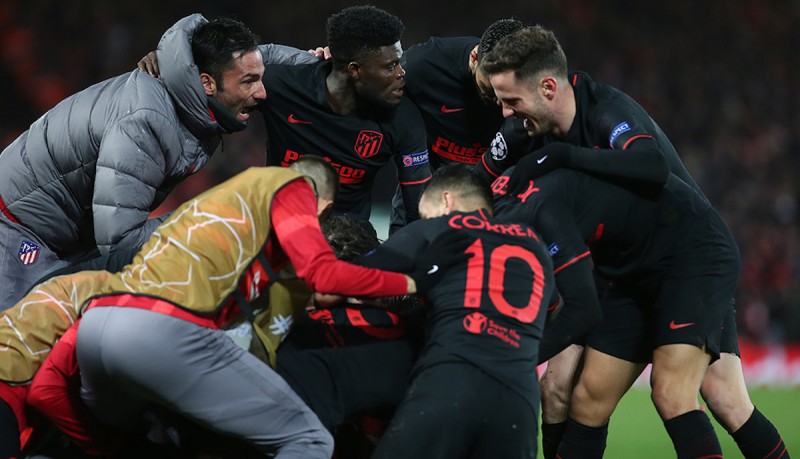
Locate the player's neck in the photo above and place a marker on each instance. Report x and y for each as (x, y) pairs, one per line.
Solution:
(339, 93)
(565, 113)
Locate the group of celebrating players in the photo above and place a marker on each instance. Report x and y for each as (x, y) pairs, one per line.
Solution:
(540, 216)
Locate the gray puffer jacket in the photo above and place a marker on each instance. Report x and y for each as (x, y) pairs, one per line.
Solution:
(89, 171)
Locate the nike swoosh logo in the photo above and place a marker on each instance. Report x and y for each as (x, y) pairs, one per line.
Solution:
(541, 160)
(444, 109)
(674, 326)
(433, 269)
(294, 120)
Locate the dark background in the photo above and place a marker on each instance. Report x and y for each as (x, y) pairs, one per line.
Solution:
(719, 77)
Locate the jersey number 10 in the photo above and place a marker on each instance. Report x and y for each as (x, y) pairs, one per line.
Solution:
(497, 272)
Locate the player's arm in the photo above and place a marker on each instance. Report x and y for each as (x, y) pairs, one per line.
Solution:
(510, 144)
(399, 252)
(270, 53)
(296, 226)
(641, 160)
(131, 165)
(572, 266)
(411, 158)
(625, 149)
(579, 312)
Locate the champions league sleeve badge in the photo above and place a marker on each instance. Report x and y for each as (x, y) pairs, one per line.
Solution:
(498, 147)
(28, 252)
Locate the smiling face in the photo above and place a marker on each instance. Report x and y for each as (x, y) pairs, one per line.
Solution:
(524, 99)
(379, 78)
(240, 88)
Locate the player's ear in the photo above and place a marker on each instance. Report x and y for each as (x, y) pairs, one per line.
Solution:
(209, 84)
(353, 69)
(548, 86)
(449, 202)
(324, 207)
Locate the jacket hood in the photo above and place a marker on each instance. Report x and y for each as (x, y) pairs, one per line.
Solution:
(182, 77)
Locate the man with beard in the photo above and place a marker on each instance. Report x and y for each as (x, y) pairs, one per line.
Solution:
(454, 98)
(348, 109)
(351, 110)
(84, 178)
(670, 259)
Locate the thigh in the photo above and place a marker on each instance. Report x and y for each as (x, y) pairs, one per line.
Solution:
(341, 382)
(436, 416)
(625, 331)
(557, 381)
(200, 373)
(695, 311)
(603, 381)
(508, 426)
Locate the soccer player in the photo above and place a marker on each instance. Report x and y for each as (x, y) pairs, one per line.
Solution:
(454, 98)
(474, 391)
(672, 262)
(351, 110)
(86, 175)
(198, 272)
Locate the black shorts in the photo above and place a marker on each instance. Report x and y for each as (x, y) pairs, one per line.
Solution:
(455, 410)
(337, 383)
(689, 300)
(628, 332)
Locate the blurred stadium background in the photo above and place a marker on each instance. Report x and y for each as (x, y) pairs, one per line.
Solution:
(719, 77)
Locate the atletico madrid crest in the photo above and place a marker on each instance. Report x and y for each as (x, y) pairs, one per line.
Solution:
(368, 143)
(28, 252)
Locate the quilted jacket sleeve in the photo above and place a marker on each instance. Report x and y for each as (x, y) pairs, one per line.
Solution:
(132, 164)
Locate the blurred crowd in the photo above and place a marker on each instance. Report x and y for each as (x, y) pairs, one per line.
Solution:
(716, 76)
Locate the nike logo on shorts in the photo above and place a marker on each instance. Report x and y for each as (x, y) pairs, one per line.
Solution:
(445, 109)
(294, 120)
(674, 326)
(541, 160)
(433, 269)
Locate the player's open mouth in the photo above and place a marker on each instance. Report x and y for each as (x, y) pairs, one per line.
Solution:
(244, 115)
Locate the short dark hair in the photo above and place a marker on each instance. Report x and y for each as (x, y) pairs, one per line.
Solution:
(497, 30)
(463, 181)
(348, 238)
(527, 52)
(325, 178)
(217, 43)
(357, 30)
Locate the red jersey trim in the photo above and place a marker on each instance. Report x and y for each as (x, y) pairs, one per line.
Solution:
(572, 262)
(418, 182)
(486, 166)
(152, 304)
(640, 136)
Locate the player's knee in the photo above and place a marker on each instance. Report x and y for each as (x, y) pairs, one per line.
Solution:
(591, 405)
(554, 396)
(671, 398)
(727, 404)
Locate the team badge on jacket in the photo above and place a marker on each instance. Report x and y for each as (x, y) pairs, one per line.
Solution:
(28, 252)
